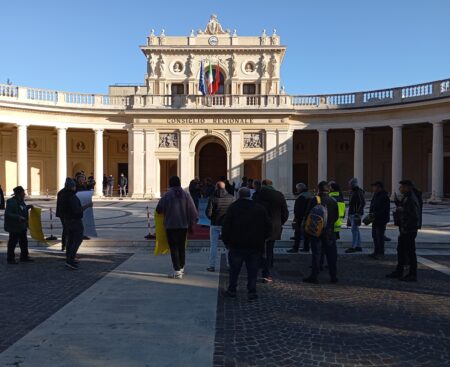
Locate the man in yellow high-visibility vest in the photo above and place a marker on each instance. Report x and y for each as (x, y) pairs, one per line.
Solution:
(336, 194)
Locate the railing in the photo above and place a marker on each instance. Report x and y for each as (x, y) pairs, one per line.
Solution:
(412, 93)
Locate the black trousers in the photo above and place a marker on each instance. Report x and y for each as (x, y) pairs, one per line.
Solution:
(177, 243)
(406, 252)
(63, 235)
(378, 238)
(15, 238)
(236, 258)
(327, 246)
(74, 237)
(298, 233)
(267, 259)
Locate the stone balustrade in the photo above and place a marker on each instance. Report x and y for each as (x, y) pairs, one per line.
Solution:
(412, 93)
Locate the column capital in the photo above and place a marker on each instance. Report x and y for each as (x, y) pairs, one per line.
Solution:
(98, 130)
(396, 126)
(359, 129)
(437, 122)
(22, 125)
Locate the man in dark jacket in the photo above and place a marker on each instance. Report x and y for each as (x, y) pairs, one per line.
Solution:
(123, 185)
(407, 217)
(72, 212)
(276, 207)
(217, 207)
(60, 215)
(355, 212)
(300, 206)
(245, 230)
(16, 224)
(2, 198)
(380, 210)
(195, 191)
(327, 241)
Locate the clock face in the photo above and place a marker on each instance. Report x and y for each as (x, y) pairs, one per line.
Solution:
(213, 41)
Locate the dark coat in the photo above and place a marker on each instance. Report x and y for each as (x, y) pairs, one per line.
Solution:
(380, 207)
(59, 213)
(15, 209)
(70, 205)
(2, 199)
(332, 210)
(276, 207)
(408, 213)
(357, 202)
(246, 226)
(218, 205)
(419, 198)
(301, 205)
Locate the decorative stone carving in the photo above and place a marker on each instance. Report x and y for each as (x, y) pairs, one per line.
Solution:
(32, 144)
(275, 38)
(190, 66)
(80, 146)
(168, 140)
(151, 66)
(124, 147)
(253, 140)
(249, 67)
(273, 67)
(233, 68)
(161, 66)
(263, 66)
(263, 38)
(162, 38)
(213, 27)
(177, 67)
(235, 33)
(152, 38)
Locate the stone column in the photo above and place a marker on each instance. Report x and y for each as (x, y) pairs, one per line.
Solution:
(22, 156)
(130, 160)
(138, 163)
(285, 162)
(437, 163)
(150, 163)
(235, 161)
(98, 162)
(184, 169)
(322, 160)
(358, 156)
(61, 158)
(397, 157)
(271, 155)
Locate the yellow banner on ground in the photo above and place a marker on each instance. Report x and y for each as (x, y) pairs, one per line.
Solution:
(161, 243)
(35, 225)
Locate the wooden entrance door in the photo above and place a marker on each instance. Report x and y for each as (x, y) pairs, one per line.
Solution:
(167, 169)
(253, 169)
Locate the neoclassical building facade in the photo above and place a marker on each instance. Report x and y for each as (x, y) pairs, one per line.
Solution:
(250, 127)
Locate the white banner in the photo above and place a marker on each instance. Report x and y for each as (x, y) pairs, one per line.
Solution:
(88, 215)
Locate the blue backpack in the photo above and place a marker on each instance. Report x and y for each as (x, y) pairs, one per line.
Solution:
(316, 221)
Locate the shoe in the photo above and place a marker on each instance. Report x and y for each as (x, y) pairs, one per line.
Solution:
(228, 294)
(86, 238)
(268, 279)
(12, 262)
(350, 250)
(182, 271)
(176, 275)
(395, 274)
(211, 269)
(387, 239)
(292, 251)
(150, 237)
(252, 296)
(409, 278)
(310, 280)
(292, 238)
(334, 280)
(63, 248)
(304, 250)
(72, 265)
(26, 260)
(358, 249)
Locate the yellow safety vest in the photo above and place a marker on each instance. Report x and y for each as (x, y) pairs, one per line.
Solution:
(341, 210)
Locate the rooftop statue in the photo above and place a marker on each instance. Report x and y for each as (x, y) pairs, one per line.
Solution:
(213, 27)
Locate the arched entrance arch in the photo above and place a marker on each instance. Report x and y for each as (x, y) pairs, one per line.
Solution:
(211, 158)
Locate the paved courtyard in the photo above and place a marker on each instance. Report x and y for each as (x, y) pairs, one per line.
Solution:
(120, 309)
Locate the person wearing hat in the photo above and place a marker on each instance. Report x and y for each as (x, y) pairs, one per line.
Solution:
(380, 213)
(72, 212)
(407, 217)
(16, 224)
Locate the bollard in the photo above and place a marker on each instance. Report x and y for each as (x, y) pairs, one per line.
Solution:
(150, 236)
(51, 237)
(47, 199)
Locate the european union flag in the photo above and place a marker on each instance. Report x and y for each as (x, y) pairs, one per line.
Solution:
(201, 83)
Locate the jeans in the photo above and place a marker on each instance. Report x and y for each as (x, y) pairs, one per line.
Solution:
(356, 236)
(236, 258)
(123, 190)
(267, 259)
(15, 238)
(74, 237)
(378, 238)
(109, 190)
(327, 246)
(177, 243)
(214, 233)
(406, 252)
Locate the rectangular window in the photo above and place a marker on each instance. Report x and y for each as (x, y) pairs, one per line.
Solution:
(177, 88)
(249, 89)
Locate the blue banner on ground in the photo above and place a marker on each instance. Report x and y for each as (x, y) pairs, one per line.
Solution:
(202, 218)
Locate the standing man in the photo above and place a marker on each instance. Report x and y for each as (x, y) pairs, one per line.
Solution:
(72, 212)
(300, 206)
(325, 239)
(2, 198)
(180, 215)
(123, 184)
(16, 224)
(276, 207)
(336, 194)
(104, 184)
(195, 191)
(380, 211)
(355, 212)
(59, 214)
(110, 186)
(407, 217)
(217, 207)
(245, 229)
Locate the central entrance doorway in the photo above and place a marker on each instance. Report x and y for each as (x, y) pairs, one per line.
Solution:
(211, 160)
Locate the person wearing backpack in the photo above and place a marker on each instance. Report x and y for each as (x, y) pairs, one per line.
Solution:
(320, 217)
(356, 206)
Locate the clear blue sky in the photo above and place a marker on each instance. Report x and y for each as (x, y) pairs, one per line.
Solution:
(333, 45)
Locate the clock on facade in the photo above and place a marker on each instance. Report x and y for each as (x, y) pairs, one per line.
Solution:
(213, 40)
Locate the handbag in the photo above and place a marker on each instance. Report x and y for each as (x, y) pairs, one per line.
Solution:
(368, 219)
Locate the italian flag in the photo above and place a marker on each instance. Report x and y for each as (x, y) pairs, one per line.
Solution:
(210, 80)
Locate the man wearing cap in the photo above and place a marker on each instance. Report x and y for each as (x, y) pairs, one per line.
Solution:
(72, 212)
(407, 217)
(379, 210)
(16, 224)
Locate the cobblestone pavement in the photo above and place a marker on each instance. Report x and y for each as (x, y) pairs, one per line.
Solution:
(31, 292)
(365, 320)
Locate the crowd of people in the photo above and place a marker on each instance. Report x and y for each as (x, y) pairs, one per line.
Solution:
(249, 218)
